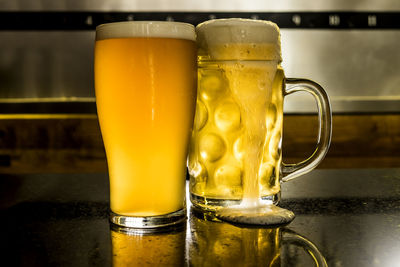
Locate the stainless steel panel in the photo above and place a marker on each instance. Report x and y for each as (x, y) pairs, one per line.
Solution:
(203, 5)
(360, 70)
(46, 64)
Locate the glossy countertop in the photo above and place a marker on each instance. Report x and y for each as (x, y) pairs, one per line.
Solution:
(351, 217)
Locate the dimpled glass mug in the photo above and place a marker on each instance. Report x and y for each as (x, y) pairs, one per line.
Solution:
(235, 152)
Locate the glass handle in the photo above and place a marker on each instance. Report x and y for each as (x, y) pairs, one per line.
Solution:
(292, 85)
(291, 237)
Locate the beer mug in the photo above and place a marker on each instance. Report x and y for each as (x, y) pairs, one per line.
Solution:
(235, 151)
(145, 81)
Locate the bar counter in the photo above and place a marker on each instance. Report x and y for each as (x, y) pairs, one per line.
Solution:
(350, 216)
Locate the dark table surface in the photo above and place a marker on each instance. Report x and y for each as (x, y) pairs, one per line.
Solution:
(351, 216)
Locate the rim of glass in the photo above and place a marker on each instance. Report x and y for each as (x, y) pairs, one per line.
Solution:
(162, 29)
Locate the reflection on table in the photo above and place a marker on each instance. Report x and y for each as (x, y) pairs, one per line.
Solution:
(131, 248)
(352, 216)
(208, 242)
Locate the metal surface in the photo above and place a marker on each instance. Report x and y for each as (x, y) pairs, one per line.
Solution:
(204, 5)
(47, 57)
(67, 20)
(46, 64)
(360, 70)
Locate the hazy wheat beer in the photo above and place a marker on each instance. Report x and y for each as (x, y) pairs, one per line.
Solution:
(145, 79)
(238, 122)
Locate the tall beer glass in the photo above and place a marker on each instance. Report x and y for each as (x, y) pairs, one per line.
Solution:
(145, 81)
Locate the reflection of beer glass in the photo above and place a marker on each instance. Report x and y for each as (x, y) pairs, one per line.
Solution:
(235, 151)
(161, 249)
(221, 244)
(145, 79)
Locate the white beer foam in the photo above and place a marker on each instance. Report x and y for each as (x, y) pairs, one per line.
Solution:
(260, 36)
(161, 29)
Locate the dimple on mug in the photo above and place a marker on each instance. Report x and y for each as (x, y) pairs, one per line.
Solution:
(235, 149)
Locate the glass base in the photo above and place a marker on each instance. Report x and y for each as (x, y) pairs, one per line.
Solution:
(150, 224)
(212, 204)
(265, 213)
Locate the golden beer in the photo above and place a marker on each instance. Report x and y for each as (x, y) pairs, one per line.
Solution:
(145, 79)
(238, 123)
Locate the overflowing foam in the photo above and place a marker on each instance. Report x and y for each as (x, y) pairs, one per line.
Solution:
(257, 215)
(249, 53)
(161, 29)
(239, 39)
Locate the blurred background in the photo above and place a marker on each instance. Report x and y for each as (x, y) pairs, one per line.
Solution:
(48, 117)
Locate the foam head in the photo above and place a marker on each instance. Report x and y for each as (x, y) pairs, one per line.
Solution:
(161, 29)
(243, 39)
